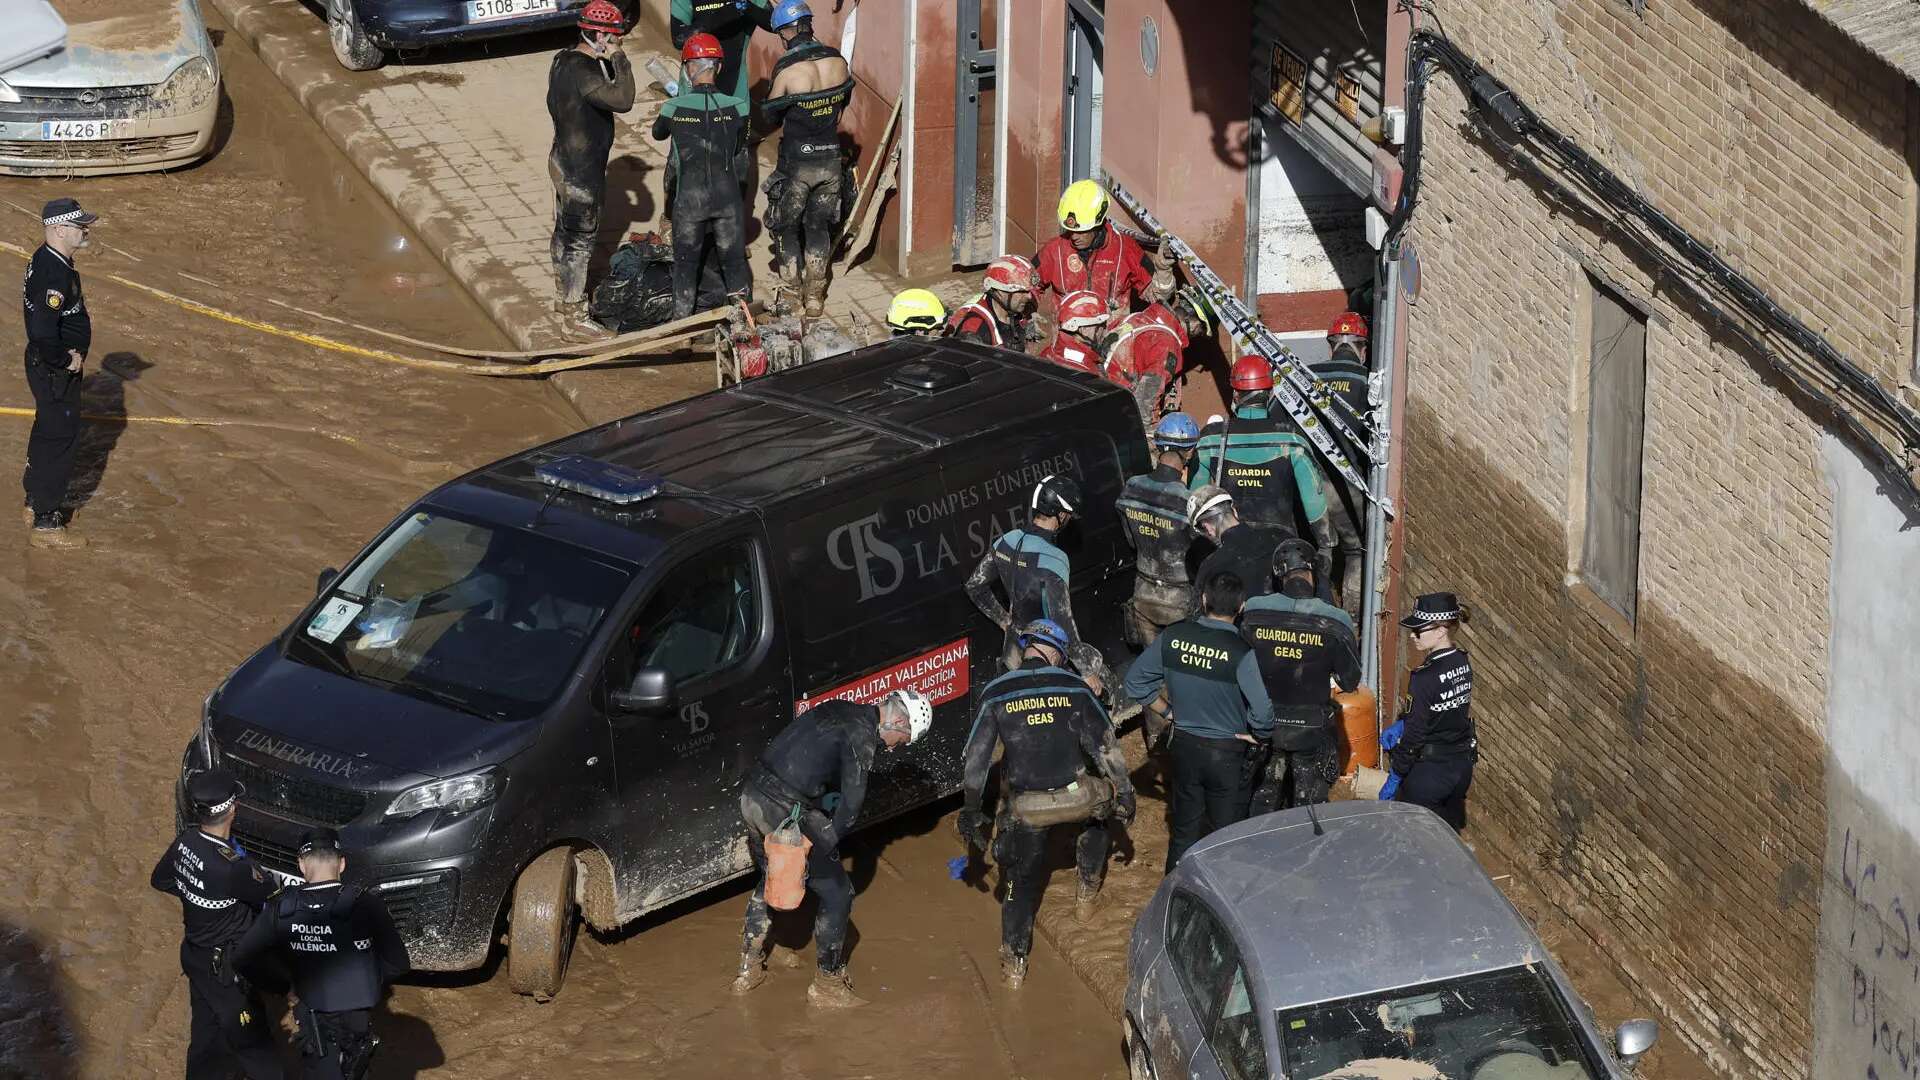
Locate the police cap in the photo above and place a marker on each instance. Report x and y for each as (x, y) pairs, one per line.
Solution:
(213, 792)
(319, 842)
(66, 211)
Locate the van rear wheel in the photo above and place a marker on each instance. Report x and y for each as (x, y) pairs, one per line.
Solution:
(540, 927)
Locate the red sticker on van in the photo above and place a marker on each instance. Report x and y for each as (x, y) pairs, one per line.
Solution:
(940, 673)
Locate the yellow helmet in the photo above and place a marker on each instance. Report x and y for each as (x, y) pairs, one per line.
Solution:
(916, 311)
(1083, 206)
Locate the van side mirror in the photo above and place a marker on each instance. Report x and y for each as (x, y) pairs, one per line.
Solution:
(651, 691)
(1633, 1039)
(325, 579)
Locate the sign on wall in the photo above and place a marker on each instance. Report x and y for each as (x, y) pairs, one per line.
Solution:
(1288, 90)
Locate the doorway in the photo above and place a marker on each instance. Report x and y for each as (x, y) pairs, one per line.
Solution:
(1085, 89)
(975, 142)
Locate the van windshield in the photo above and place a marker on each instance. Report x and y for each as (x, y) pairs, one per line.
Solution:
(486, 620)
(1507, 1023)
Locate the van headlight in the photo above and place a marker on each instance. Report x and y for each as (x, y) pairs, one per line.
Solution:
(191, 85)
(455, 795)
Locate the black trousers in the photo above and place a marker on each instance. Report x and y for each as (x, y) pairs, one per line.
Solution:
(54, 438)
(826, 878)
(1021, 851)
(577, 198)
(697, 214)
(808, 214)
(229, 1030)
(1209, 788)
(339, 1046)
(1440, 785)
(1295, 778)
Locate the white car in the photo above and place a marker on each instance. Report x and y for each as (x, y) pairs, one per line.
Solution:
(131, 93)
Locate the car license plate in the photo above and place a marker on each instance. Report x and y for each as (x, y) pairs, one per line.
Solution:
(83, 130)
(494, 10)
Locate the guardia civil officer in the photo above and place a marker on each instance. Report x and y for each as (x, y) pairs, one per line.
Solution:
(1345, 373)
(811, 88)
(1036, 576)
(1221, 713)
(1061, 768)
(1263, 461)
(342, 949)
(1432, 746)
(1303, 645)
(59, 333)
(707, 128)
(817, 769)
(1153, 513)
(731, 22)
(1241, 548)
(221, 890)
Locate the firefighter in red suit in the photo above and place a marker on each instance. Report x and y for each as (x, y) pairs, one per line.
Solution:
(1091, 254)
(1146, 350)
(1002, 314)
(1081, 319)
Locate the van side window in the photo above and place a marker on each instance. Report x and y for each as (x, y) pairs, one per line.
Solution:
(702, 618)
(1215, 981)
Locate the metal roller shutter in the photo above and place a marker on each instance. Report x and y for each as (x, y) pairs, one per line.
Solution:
(1317, 79)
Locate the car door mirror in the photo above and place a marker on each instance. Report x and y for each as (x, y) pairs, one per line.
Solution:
(325, 579)
(651, 691)
(1633, 1039)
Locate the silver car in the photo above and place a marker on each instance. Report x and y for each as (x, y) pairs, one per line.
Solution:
(1361, 940)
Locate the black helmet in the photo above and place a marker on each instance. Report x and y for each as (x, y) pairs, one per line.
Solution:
(1056, 494)
(1293, 554)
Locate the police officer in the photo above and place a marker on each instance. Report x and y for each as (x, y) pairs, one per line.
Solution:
(1432, 746)
(707, 129)
(221, 890)
(1243, 548)
(342, 949)
(1002, 314)
(915, 313)
(1345, 373)
(1264, 462)
(1303, 645)
(1061, 768)
(59, 333)
(817, 768)
(811, 88)
(1036, 576)
(586, 85)
(1153, 517)
(731, 22)
(1221, 713)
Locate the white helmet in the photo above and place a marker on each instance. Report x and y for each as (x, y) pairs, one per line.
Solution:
(919, 710)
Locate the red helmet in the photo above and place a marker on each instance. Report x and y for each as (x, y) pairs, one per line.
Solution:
(1081, 309)
(604, 16)
(698, 47)
(1010, 273)
(1349, 324)
(1252, 373)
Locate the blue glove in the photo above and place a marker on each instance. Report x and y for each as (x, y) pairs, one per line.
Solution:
(830, 802)
(234, 843)
(957, 867)
(1391, 788)
(1391, 737)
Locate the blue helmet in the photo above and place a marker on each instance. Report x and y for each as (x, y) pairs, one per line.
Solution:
(1044, 632)
(788, 12)
(1177, 430)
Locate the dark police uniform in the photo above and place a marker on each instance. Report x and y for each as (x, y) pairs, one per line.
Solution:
(823, 757)
(708, 129)
(1057, 734)
(1246, 552)
(342, 949)
(1270, 471)
(220, 891)
(1345, 374)
(1036, 576)
(1435, 757)
(804, 193)
(57, 320)
(1301, 643)
(1213, 683)
(1153, 509)
(581, 100)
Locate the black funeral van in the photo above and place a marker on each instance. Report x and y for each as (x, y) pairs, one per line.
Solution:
(538, 690)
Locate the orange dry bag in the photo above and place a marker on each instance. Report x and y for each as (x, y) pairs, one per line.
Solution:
(787, 851)
(1359, 731)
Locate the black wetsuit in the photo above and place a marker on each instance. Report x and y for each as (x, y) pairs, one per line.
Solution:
(1303, 644)
(1153, 511)
(708, 128)
(583, 93)
(221, 890)
(1246, 551)
(1056, 733)
(57, 321)
(1345, 374)
(820, 763)
(1435, 757)
(1035, 575)
(803, 195)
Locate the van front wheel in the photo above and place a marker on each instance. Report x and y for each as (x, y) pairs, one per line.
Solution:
(540, 927)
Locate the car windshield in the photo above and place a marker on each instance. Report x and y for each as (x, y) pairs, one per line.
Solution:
(486, 620)
(1499, 1025)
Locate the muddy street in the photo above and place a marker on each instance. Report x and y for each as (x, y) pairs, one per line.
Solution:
(203, 541)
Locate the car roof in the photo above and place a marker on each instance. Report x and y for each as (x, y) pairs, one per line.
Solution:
(1386, 896)
(794, 431)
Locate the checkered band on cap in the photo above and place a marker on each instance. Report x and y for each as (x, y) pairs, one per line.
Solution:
(1437, 616)
(220, 808)
(74, 214)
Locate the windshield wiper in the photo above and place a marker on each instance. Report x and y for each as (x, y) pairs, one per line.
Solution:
(444, 698)
(336, 664)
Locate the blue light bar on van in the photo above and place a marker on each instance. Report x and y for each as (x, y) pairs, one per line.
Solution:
(598, 479)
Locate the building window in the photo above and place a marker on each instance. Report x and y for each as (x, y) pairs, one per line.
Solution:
(1617, 407)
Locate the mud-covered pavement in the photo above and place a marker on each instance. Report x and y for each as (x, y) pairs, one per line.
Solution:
(204, 540)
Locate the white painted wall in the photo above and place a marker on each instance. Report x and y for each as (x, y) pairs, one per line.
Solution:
(1312, 235)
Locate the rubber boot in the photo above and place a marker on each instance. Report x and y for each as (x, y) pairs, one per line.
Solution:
(1087, 901)
(786, 295)
(574, 322)
(50, 532)
(787, 957)
(833, 990)
(753, 971)
(816, 288)
(1013, 969)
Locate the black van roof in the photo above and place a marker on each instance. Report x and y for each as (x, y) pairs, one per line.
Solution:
(780, 435)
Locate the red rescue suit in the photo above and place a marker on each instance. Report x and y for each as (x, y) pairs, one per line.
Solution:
(975, 321)
(1069, 351)
(1116, 270)
(1145, 351)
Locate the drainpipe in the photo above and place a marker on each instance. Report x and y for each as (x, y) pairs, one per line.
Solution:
(907, 88)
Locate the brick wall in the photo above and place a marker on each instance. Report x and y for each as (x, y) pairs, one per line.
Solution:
(1663, 780)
